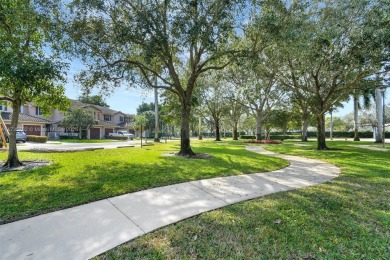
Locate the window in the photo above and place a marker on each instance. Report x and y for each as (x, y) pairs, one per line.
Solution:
(3, 106)
(121, 119)
(38, 111)
(107, 118)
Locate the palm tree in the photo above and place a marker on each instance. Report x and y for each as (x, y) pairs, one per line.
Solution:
(365, 94)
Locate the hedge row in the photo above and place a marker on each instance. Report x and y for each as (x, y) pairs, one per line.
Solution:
(68, 137)
(37, 138)
(336, 134)
(345, 134)
(284, 137)
(247, 137)
(117, 137)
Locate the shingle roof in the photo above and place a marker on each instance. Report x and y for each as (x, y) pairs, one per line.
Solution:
(105, 110)
(104, 123)
(25, 118)
(124, 124)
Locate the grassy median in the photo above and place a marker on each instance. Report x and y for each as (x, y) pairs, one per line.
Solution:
(81, 177)
(347, 218)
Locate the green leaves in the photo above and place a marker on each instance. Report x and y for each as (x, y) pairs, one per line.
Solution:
(27, 71)
(78, 118)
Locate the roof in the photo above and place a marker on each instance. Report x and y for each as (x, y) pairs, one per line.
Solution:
(104, 123)
(25, 118)
(124, 124)
(105, 110)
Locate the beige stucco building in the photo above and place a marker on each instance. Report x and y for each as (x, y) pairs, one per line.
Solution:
(33, 122)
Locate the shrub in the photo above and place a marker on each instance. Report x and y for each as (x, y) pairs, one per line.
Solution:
(118, 137)
(151, 135)
(68, 137)
(37, 138)
(284, 137)
(247, 137)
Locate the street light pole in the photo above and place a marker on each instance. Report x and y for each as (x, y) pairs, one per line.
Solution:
(383, 116)
(141, 136)
(156, 130)
(331, 125)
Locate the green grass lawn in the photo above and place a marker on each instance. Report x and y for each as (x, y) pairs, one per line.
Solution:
(87, 140)
(347, 218)
(81, 177)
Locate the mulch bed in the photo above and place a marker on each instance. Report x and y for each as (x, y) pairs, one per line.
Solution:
(202, 156)
(27, 165)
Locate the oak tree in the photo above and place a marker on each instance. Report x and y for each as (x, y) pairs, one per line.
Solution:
(127, 40)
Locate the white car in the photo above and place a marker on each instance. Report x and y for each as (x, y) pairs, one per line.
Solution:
(123, 133)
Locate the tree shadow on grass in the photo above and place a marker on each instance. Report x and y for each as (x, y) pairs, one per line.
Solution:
(325, 221)
(48, 189)
(346, 217)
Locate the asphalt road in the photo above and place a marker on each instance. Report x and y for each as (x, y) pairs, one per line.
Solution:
(57, 145)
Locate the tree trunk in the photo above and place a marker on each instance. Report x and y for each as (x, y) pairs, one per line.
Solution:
(185, 147)
(217, 130)
(356, 117)
(321, 143)
(156, 128)
(13, 159)
(331, 126)
(259, 119)
(305, 125)
(379, 114)
(235, 131)
(268, 133)
(200, 129)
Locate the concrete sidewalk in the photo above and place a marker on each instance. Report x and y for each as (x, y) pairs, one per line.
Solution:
(88, 230)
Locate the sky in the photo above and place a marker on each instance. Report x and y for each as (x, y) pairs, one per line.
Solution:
(124, 99)
(348, 106)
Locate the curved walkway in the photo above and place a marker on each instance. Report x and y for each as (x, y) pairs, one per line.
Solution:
(88, 230)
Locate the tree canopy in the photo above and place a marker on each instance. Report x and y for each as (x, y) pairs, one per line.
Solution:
(78, 119)
(327, 48)
(27, 72)
(94, 100)
(173, 41)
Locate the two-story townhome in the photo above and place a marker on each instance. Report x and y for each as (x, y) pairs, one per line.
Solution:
(30, 119)
(33, 122)
(107, 120)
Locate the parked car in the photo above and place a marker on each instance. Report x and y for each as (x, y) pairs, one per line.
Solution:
(123, 133)
(20, 136)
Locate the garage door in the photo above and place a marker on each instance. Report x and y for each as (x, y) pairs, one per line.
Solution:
(32, 129)
(108, 131)
(94, 133)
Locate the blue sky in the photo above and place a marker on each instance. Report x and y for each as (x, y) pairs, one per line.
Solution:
(348, 106)
(124, 99)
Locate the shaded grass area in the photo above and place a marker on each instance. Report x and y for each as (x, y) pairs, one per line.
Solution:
(81, 177)
(347, 218)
